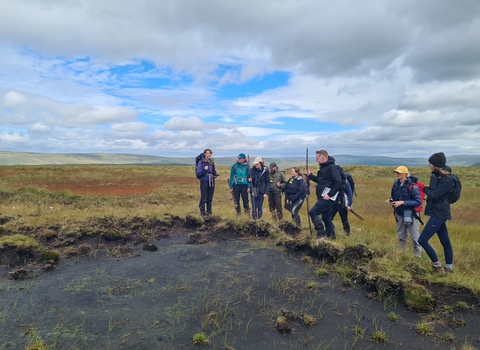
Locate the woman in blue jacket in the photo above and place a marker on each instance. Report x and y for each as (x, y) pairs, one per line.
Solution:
(260, 185)
(206, 173)
(404, 198)
(295, 193)
(438, 208)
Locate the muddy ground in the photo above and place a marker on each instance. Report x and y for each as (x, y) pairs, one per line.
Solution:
(242, 292)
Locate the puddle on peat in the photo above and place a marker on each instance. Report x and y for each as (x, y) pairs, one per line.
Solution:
(233, 291)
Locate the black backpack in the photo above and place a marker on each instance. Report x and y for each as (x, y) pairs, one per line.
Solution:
(346, 177)
(457, 189)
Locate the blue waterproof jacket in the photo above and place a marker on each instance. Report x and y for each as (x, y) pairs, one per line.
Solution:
(345, 197)
(401, 193)
(209, 174)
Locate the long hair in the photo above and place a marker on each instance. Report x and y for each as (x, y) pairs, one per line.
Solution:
(441, 171)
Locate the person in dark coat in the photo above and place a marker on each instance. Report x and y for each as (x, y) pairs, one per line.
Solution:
(295, 193)
(438, 208)
(238, 182)
(260, 185)
(206, 173)
(329, 183)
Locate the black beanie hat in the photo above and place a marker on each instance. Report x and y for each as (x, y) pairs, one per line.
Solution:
(438, 159)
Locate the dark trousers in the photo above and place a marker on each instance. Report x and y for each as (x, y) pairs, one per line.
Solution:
(206, 197)
(340, 209)
(295, 210)
(275, 205)
(324, 208)
(241, 191)
(257, 207)
(438, 226)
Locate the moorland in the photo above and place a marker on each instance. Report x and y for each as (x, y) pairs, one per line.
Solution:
(118, 257)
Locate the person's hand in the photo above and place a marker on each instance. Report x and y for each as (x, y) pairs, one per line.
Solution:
(278, 184)
(348, 208)
(389, 201)
(326, 197)
(248, 190)
(398, 203)
(265, 195)
(249, 179)
(231, 190)
(307, 172)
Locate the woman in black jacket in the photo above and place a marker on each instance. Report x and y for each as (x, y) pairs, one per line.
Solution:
(295, 193)
(438, 208)
(260, 185)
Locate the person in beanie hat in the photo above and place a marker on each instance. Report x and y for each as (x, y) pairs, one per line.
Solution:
(438, 160)
(238, 182)
(259, 186)
(277, 184)
(403, 201)
(438, 208)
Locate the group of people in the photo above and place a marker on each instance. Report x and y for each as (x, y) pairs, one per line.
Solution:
(335, 195)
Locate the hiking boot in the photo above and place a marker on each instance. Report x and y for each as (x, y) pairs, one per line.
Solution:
(417, 254)
(448, 270)
(331, 235)
(438, 270)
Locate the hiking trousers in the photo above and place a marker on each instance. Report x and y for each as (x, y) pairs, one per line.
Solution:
(340, 209)
(241, 191)
(438, 226)
(295, 212)
(275, 205)
(402, 232)
(324, 208)
(206, 197)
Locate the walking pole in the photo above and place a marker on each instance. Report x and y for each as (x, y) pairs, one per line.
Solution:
(308, 205)
(251, 189)
(357, 215)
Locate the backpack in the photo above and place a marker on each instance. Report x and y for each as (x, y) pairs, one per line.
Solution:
(420, 187)
(197, 160)
(457, 189)
(346, 177)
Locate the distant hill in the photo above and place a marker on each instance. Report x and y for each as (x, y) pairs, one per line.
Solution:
(30, 158)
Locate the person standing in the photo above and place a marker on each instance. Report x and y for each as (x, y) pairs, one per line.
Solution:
(329, 183)
(438, 208)
(206, 173)
(404, 198)
(295, 193)
(260, 184)
(343, 204)
(277, 184)
(238, 182)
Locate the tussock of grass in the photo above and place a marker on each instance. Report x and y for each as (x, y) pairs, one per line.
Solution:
(18, 241)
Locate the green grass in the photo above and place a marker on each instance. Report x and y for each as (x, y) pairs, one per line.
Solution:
(38, 202)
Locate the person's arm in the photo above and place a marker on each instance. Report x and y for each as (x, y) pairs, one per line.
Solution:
(232, 176)
(336, 181)
(444, 186)
(415, 200)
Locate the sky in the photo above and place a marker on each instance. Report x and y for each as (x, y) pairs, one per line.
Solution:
(267, 78)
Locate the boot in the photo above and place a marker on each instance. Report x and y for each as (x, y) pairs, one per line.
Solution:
(317, 223)
(209, 208)
(202, 209)
(346, 228)
(298, 221)
(331, 235)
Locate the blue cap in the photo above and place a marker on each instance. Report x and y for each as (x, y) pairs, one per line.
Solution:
(242, 156)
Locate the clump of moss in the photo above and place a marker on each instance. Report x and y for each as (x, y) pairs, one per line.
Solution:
(418, 298)
(19, 241)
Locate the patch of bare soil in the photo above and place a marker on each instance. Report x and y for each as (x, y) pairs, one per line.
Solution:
(144, 283)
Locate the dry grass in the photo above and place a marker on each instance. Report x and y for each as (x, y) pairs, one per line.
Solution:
(41, 196)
